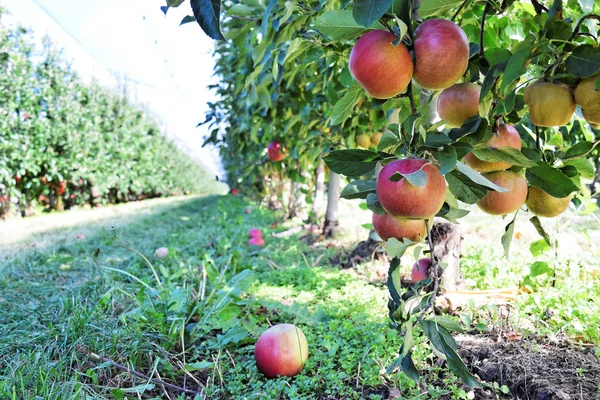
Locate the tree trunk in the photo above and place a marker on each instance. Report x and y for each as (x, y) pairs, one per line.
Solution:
(319, 191)
(292, 200)
(446, 238)
(596, 177)
(332, 223)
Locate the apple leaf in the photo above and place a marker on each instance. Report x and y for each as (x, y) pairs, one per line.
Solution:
(354, 162)
(358, 189)
(538, 247)
(583, 166)
(445, 344)
(464, 189)
(535, 221)
(584, 61)
(490, 79)
(396, 248)
(540, 268)
(366, 12)
(451, 213)
(240, 10)
(340, 25)
(478, 178)
(429, 8)
(187, 19)
(515, 66)
(507, 154)
(373, 204)
(387, 141)
(578, 150)
(551, 180)
(446, 157)
(207, 13)
(417, 178)
(394, 282)
(509, 231)
(343, 108)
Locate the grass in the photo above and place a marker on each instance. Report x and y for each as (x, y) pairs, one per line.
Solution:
(68, 289)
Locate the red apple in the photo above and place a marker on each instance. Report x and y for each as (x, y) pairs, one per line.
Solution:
(380, 67)
(401, 199)
(275, 153)
(256, 241)
(281, 350)
(420, 270)
(506, 136)
(255, 233)
(235, 192)
(441, 54)
(388, 227)
(501, 203)
(458, 103)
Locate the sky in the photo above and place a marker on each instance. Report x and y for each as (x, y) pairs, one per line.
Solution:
(168, 67)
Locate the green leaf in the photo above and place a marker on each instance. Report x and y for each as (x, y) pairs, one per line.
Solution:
(515, 67)
(464, 189)
(343, 108)
(584, 61)
(396, 248)
(508, 235)
(417, 178)
(540, 229)
(490, 79)
(354, 162)
(199, 366)
(540, 268)
(578, 150)
(374, 205)
(358, 189)
(448, 323)
(558, 29)
(366, 12)
(436, 7)
(187, 19)
(551, 180)
(478, 178)
(538, 247)
(240, 10)
(583, 166)
(394, 282)
(388, 140)
(507, 154)
(207, 13)
(446, 157)
(340, 25)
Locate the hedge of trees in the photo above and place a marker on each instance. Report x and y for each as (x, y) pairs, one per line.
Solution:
(65, 143)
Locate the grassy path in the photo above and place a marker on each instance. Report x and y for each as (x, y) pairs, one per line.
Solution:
(191, 319)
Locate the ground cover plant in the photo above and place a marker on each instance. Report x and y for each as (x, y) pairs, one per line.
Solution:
(191, 320)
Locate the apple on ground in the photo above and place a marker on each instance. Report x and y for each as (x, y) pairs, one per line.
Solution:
(506, 136)
(420, 270)
(501, 203)
(256, 241)
(458, 103)
(255, 232)
(276, 152)
(400, 199)
(441, 54)
(388, 227)
(542, 204)
(161, 252)
(281, 350)
(550, 104)
(382, 68)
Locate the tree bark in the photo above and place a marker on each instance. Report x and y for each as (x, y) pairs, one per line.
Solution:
(292, 200)
(319, 190)
(446, 238)
(332, 223)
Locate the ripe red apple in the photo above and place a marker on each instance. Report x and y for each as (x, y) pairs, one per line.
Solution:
(500, 203)
(458, 103)
(275, 152)
(401, 199)
(420, 270)
(255, 233)
(542, 204)
(441, 54)
(256, 241)
(388, 227)
(506, 136)
(382, 69)
(281, 350)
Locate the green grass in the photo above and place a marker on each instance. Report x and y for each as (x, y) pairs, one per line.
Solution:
(192, 318)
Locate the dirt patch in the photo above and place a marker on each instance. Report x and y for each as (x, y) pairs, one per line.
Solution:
(366, 250)
(534, 369)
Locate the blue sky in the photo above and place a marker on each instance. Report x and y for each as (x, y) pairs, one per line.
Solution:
(168, 66)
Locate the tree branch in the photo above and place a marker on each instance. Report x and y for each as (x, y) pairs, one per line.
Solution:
(436, 278)
(482, 32)
(138, 374)
(578, 26)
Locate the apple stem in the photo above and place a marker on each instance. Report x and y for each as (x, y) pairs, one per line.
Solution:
(459, 10)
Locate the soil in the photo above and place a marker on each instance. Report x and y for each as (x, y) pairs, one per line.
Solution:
(533, 369)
